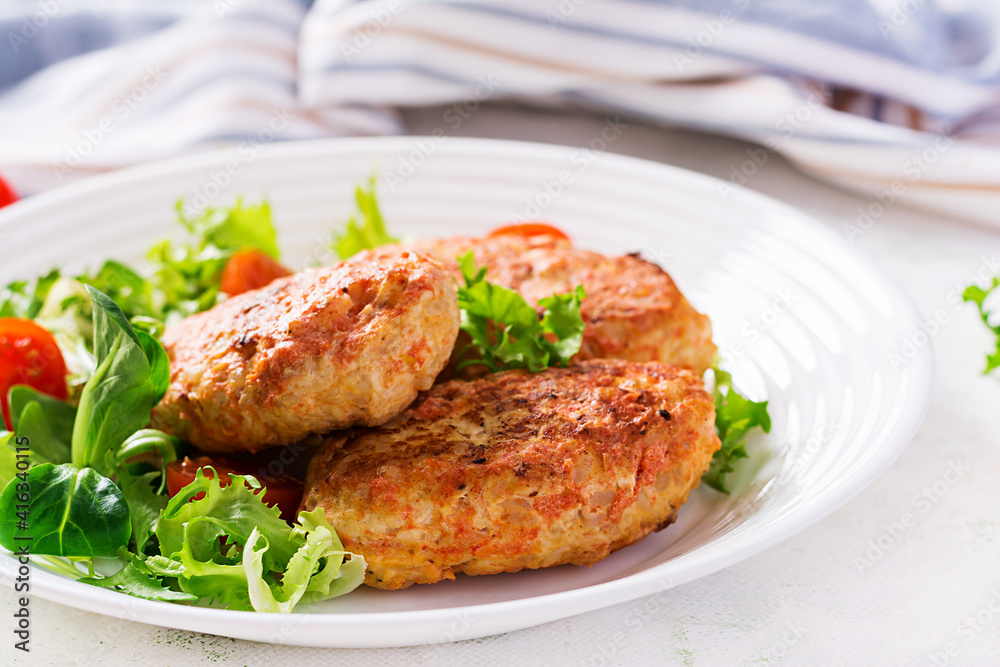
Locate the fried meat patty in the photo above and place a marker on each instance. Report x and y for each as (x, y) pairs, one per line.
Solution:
(517, 470)
(323, 349)
(633, 308)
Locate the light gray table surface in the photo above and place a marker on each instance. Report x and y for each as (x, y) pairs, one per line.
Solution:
(931, 597)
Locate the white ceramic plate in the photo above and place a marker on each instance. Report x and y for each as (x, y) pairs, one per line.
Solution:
(800, 318)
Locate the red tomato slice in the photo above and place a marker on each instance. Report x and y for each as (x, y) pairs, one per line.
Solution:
(529, 229)
(7, 194)
(282, 490)
(250, 269)
(29, 355)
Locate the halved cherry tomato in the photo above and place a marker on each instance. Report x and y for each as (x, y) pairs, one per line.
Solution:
(529, 229)
(282, 489)
(250, 269)
(29, 355)
(7, 194)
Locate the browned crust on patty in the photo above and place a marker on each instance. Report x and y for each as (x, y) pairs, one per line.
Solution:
(517, 471)
(633, 308)
(319, 350)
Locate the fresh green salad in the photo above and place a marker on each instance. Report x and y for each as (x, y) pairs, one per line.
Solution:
(85, 480)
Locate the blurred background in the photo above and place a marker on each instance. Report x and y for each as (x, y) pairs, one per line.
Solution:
(895, 98)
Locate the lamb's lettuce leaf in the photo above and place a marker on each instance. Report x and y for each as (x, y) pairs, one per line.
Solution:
(222, 543)
(65, 511)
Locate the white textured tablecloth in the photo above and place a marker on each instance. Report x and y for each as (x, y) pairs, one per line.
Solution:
(854, 589)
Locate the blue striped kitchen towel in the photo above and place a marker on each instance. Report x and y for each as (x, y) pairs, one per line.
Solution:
(88, 86)
(895, 98)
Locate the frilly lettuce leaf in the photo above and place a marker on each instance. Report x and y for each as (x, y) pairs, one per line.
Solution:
(232, 511)
(369, 232)
(979, 296)
(735, 416)
(231, 548)
(506, 330)
(316, 571)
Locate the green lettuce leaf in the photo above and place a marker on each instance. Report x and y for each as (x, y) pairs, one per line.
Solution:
(46, 446)
(144, 502)
(233, 511)
(159, 365)
(977, 295)
(46, 421)
(505, 329)
(184, 279)
(235, 228)
(735, 416)
(24, 299)
(227, 546)
(316, 571)
(119, 397)
(563, 323)
(370, 232)
(59, 414)
(69, 512)
(8, 457)
(133, 580)
(186, 273)
(131, 291)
